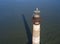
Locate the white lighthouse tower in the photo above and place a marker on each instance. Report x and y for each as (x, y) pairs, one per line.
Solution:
(36, 27)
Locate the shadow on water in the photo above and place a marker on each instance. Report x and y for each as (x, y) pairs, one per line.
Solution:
(28, 32)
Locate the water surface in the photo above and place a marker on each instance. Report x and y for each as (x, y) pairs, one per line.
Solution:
(12, 29)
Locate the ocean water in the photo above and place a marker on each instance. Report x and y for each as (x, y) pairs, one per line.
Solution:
(12, 30)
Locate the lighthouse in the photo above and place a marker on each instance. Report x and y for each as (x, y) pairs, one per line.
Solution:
(36, 27)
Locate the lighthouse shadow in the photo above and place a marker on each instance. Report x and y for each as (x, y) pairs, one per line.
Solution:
(28, 32)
